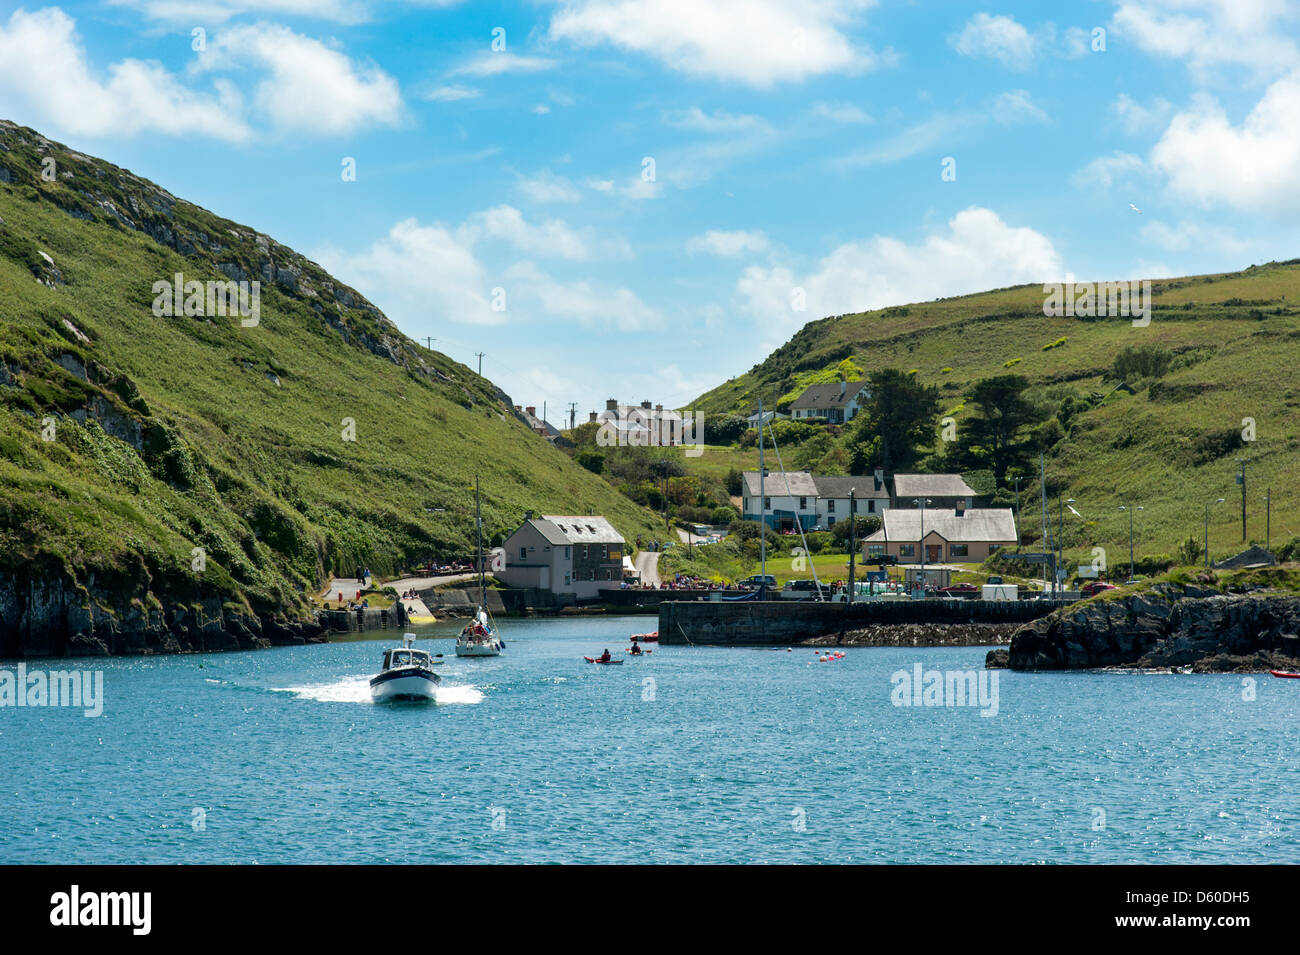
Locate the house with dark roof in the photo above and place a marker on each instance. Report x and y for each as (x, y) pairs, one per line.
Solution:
(837, 401)
(937, 490)
(577, 555)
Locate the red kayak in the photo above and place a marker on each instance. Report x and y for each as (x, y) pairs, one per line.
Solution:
(1285, 674)
(610, 662)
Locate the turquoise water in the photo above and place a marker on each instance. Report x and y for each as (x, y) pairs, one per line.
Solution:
(731, 756)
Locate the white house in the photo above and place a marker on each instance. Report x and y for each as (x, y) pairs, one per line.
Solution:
(579, 555)
(789, 497)
(836, 401)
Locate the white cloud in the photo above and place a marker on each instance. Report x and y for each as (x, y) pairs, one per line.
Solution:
(976, 251)
(449, 94)
(841, 112)
(1137, 118)
(719, 121)
(1194, 235)
(1251, 166)
(1102, 172)
(418, 274)
(552, 237)
(757, 42)
(727, 244)
(548, 187)
(1000, 38)
(311, 88)
(1016, 105)
(592, 305)
(1257, 35)
(46, 80)
(496, 63)
(541, 109)
(219, 11)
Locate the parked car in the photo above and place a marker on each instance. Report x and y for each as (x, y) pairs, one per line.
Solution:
(758, 579)
(1094, 587)
(805, 590)
(965, 591)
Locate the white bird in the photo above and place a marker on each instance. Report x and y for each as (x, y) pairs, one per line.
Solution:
(1135, 208)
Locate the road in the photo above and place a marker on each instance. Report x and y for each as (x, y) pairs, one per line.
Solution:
(350, 585)
(647, 565)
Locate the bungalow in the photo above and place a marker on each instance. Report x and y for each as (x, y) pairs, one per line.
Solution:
(768, 417)
(837, 401)
(952, 536)
(576, 555)
(937, 490)
(789, 498)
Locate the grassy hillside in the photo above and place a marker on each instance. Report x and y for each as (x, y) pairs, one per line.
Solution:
(177, 432)
(1170, 446)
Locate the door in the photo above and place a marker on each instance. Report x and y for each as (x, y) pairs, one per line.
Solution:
(933, 553)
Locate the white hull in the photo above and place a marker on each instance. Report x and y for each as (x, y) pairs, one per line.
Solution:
(404, 688)
(491, 648)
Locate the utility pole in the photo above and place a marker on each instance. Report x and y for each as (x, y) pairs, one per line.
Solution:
(480, 363)
(428, 342)
(1017, 480)
(853, 536)
(762, 508)
(1268, 515)
(1241, 479)
(573, 415)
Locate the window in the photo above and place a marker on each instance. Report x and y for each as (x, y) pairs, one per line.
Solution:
(958, 550)
(871, 506)
(830, 508)
(604, 551)
(854, 506)
(830, 521)
(876, 550)
(767, 503)
(586, 550)
(906, 550)
(803, 503)
(566, 553)
(566, 580)
(523, 553)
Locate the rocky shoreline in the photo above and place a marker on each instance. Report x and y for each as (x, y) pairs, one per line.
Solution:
(919, 635)
(1170, 626)
(54, 616)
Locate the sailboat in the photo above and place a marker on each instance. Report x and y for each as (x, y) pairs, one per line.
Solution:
(479, 638)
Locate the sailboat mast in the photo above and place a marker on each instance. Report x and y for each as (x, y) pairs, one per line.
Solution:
(762, 503)
(478, 524)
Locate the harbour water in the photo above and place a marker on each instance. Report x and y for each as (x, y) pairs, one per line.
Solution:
(691, 754)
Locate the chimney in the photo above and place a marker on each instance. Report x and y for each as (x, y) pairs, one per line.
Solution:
(517, 408)
(843, 386)
(646, 405)
(611, 404)
(880, 478)
(532, 411)
(659, 408)
(592, 416)
(528, 515)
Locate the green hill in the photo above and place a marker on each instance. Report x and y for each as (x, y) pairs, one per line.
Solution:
(168, 434)
(1166, 438)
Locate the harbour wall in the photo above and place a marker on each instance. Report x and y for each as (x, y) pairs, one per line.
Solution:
(771, 622)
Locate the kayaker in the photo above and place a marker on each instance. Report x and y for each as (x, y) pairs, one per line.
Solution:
(604, 657)
(636, 649)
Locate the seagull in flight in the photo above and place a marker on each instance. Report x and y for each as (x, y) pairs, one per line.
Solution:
(1135, 208)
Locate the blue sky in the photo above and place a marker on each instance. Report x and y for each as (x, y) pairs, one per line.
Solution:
(644, 190)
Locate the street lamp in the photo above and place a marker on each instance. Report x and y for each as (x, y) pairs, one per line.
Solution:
(1130, 537)
(1207, 533)
(921, 502)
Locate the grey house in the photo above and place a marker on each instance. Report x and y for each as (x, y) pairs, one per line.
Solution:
(579, 555)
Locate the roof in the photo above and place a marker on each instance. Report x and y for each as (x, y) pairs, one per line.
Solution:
(976, 524)
(931, 485)
(828, 395)
(581, 529)
(1254, 556)
(838, 486)
(774, 485)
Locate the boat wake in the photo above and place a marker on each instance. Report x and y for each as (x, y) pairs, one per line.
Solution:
(357, 690)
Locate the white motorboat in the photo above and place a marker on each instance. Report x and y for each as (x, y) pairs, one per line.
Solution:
(407, 674)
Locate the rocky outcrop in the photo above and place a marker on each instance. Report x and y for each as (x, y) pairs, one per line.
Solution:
(48, 614)
(919, 635)
(1168, 626)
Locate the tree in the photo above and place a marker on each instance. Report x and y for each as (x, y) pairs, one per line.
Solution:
(593, 461)
(1001, 413)
(897, 419)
